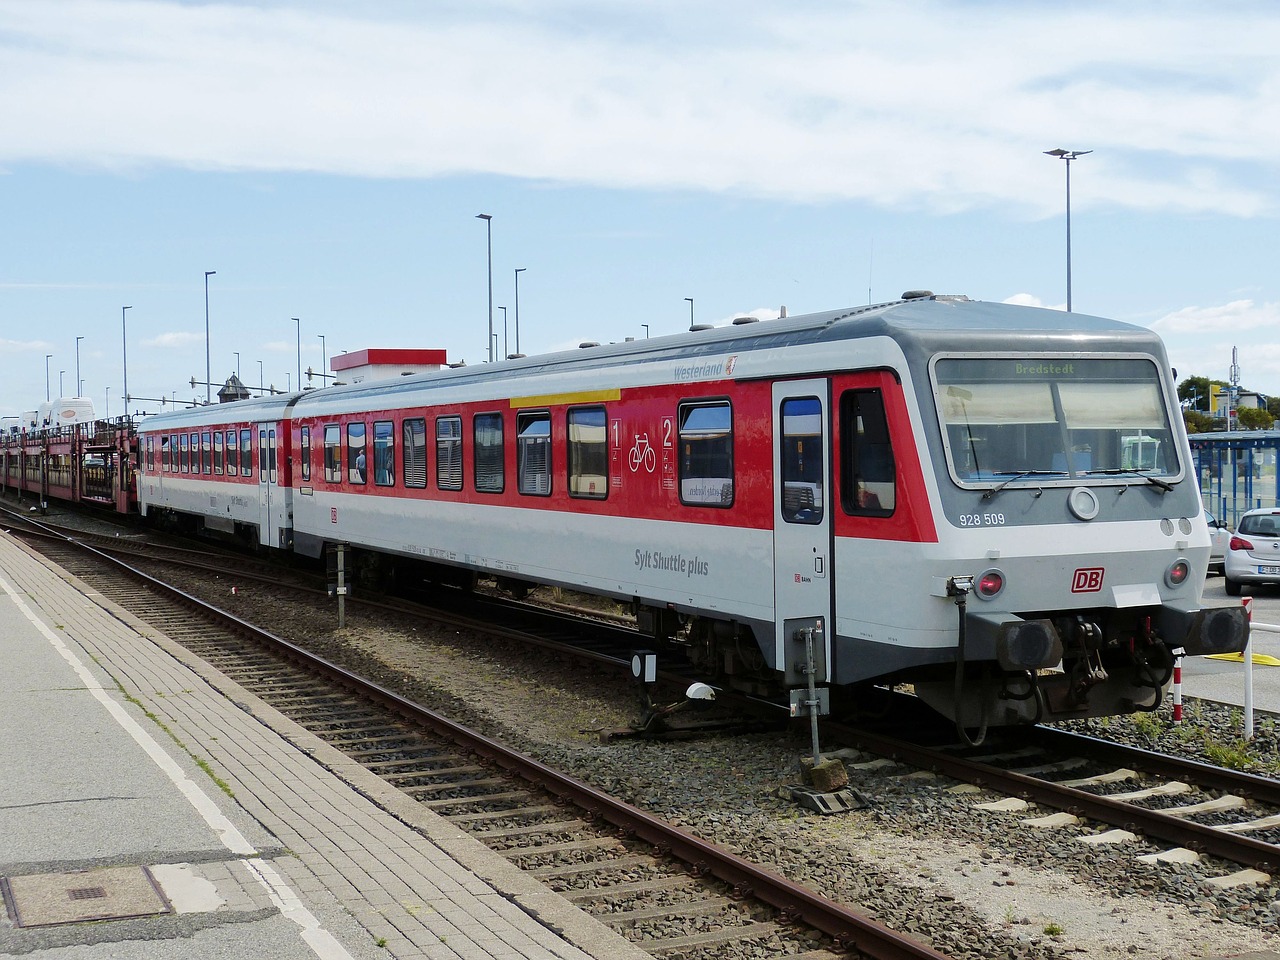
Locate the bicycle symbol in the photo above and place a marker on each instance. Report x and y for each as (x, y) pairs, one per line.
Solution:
(642, 452)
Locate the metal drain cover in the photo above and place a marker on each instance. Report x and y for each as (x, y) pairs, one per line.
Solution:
(114, 893)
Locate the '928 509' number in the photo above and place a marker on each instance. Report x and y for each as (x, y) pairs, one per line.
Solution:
(981, 519)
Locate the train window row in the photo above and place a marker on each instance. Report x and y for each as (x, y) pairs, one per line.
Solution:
(705, 435)
(211, 452)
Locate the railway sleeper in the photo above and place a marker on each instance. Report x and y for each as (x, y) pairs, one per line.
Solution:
(566, 870)
(490, 815)
(568, 846)
(656, 885)
(529, 830)
(711, 938)
(698, 908)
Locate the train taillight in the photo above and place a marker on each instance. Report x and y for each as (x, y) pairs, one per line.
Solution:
(990, 584)
(1177, 573)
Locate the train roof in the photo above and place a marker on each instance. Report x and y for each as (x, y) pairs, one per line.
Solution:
(921, 325)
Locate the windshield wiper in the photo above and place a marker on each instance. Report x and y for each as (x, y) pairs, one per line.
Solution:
(1123, 471)
(988, 494)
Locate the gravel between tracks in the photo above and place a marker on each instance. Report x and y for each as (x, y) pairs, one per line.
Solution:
(919, 858)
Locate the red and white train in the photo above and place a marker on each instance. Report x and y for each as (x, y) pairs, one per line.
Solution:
(992, 502)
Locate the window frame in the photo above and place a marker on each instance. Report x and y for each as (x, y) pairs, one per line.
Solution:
(683, 457)
(482, 475)
(452, 443)
(575, 455)
(525, 419)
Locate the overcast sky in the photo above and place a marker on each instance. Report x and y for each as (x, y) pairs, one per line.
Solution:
(327, 159)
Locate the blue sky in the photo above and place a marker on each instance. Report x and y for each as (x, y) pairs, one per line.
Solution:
(328, 158)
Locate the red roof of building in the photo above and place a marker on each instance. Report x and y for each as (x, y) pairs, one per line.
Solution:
(392, 358)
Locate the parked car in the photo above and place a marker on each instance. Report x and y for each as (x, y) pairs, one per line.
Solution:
(1219, 537)
(1253, 553)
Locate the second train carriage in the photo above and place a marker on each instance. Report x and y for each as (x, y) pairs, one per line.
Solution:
(934, 490)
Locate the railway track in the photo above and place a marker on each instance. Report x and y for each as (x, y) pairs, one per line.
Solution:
(667, 890)
(1200, 810)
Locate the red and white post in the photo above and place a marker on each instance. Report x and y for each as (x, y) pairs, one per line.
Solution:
(1248, 671)
(1178, 654)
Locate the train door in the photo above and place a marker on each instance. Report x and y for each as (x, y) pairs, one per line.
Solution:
(802, 528)
(266, 483)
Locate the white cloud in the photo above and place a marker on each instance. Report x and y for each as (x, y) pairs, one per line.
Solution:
(178, 338)
(942, 105)
(1236, 316)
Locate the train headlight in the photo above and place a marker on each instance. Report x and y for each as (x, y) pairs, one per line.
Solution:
(989, 584)
(1177, 573)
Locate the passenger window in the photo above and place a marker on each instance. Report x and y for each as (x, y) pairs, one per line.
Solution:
(588, 453)
(233, 454)
(217, 453)
(533, 452)
(206, 453)
(384, 453)
(151, 453)
(166, 463)
(868, 475)
(449, 453)
(305, 452)
(262, 456)
(803, 461)
(246, 452)
(332, 453)
(356, 453)
(183, 455)
(415, 453)
(706, 454)
(487, 433)
(271, 454)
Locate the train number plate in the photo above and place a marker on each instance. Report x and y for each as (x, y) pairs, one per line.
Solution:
(1275, 571)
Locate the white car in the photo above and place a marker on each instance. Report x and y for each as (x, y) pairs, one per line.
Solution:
(1253, 553)
(1219, 537)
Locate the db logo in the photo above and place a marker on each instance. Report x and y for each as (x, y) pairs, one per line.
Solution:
(1087, 580)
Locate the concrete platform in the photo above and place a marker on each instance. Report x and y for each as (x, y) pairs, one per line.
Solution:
(150, 807)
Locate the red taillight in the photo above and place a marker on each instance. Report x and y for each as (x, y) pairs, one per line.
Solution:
(1239, 543)
(1177, 573)
(990, 583)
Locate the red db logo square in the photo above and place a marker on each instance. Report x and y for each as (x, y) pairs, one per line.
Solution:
(1087, 580)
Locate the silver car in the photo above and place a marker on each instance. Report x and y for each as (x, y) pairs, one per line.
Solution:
(1219, 537)
(1253, 555)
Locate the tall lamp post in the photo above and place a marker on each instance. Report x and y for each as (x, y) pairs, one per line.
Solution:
(690, 299)
(299, 323)
(488, 223)
(208, 390)
(237, 353)
(519, 270)
(47, 357)
(1068, 156)
(324, 361)
(79, 389)
(505, 351)
(124, 356)
(61, 390)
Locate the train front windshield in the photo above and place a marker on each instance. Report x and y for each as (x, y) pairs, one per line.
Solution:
(1042, 418)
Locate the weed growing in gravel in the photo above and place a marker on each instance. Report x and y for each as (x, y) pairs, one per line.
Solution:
(1053, 930)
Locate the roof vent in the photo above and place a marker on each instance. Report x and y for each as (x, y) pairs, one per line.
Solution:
(587, 344)
(701, 326)
(515, 356)
(455, 366)
(743, 321)
(917, 294)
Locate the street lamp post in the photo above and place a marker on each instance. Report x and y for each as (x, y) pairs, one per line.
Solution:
(237, 353)
(690, 299)
(107, 412)
(324, 361)
(124, 355)
(208, 379)
(505, 351)
(47, 357)
(79, 388)
(646, 330)
(299, 323)
(261, 388)
(61, 390)
(1068, 156)
(488, 223)
(519, 270)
